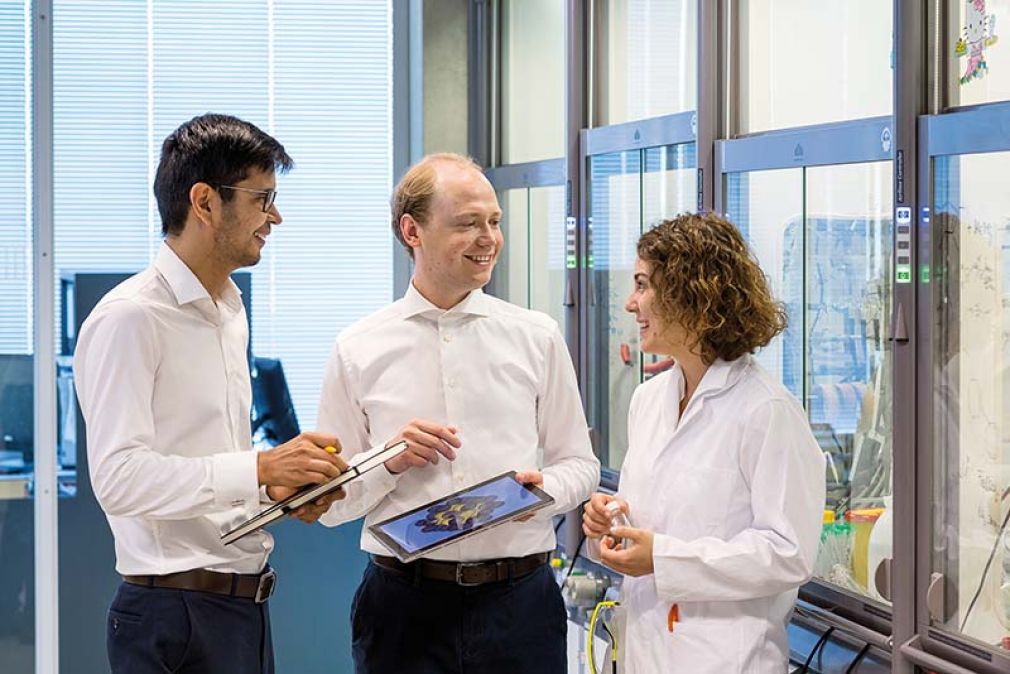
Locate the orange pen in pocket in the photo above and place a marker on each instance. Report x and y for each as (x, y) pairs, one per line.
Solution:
(673, 617)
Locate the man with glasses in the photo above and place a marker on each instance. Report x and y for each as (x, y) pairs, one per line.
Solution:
(163, 381)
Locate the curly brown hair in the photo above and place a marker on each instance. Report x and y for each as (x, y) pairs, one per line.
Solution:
(707, 280)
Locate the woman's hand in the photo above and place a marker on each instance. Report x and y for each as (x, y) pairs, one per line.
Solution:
(596, 517)
(636, 560)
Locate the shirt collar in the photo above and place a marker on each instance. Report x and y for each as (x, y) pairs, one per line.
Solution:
(415, 304)
(184, 284)
(722, 374)
(719, 376)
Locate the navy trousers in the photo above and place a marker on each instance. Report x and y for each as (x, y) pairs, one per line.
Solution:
(155, 630)
(407, 625)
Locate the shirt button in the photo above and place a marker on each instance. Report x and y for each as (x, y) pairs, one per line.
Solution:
(446, 338)
(459, 477)
(452, 383)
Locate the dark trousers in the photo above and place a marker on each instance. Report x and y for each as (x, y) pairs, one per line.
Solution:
(159, 630)
(408, 625)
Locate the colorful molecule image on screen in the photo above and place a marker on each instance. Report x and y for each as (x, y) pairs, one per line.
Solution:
(461, 513)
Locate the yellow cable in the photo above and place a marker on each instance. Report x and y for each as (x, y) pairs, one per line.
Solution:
(592, 630)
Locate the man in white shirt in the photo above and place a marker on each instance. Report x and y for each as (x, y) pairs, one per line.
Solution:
(163, 381)
(477, 387)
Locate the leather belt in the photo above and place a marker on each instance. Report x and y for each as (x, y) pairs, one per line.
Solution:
(466, 573)
(257, 586)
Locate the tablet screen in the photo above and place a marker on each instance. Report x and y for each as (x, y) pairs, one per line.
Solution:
(458, 514)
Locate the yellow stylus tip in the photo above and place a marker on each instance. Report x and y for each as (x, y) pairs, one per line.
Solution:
(331, 449)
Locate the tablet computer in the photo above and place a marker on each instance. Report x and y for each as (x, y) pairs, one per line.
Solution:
(363, 463)
(459, 515)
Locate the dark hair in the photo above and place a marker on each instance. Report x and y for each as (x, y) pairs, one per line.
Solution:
(417, 187)
(214, 149)
(706, 279)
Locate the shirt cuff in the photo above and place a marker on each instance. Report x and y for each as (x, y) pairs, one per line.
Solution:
(664, 565)
(552, 486)
(379, 480)
(234, 479)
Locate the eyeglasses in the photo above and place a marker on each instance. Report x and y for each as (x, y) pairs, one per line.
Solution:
(269, 196)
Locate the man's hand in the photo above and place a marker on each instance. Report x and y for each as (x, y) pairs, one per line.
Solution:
(310, 512)
(300, 461)
(596, 519)
(533, 477)
(425, 441)
(634, 561)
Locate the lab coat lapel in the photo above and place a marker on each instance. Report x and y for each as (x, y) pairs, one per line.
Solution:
(720, 376)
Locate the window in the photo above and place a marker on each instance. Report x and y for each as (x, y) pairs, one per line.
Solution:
(533, 80)
(316, 76)
(807, 63)
(646, 61)
(17, 446)
(978, 68)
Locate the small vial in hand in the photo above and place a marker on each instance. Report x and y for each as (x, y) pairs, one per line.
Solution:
(618, 519)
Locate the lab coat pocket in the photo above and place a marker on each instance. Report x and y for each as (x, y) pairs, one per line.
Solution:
(696, 501)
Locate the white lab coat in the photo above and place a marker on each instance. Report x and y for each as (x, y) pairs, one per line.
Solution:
(734, 493)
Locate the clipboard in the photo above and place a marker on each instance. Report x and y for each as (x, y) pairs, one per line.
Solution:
(459, 515)
(370, 459)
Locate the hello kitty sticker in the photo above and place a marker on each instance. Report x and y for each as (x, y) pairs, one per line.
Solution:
(978, 33)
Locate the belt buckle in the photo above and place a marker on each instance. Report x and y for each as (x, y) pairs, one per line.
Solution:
(459, 573)
(268, 581)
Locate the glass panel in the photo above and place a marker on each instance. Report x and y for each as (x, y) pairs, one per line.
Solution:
(812, 62)
(513, 270)
(615, 223)
(823, 237)
(669, 187)
(533, 86)
(547, 251)
(767, 206)
(978, 68)
(971, 428)
(17, 443)
(848, 359)
(646, 63)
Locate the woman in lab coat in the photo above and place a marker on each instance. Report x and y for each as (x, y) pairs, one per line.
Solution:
(723, 481)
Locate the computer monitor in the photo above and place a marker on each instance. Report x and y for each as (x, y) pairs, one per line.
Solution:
(273, 411)
(17, 416)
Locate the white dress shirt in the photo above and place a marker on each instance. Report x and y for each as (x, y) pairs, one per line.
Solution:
(499, 373)
(734, 493)
(163, 381)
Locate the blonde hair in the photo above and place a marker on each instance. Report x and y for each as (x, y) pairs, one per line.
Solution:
(417, 187)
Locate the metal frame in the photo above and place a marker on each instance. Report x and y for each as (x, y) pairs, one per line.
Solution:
(847, 142)
(408, 111)
(709, 85)
(910, 95)
(548, 172)
(977, 130)
(655, 132)
(47, 637)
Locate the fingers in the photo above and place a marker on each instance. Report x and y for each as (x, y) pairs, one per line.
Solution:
(534, 477)
(428, 440)
(595, 518)
(321, 440)
(631, 533)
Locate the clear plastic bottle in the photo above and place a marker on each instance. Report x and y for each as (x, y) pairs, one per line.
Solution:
(618, 519)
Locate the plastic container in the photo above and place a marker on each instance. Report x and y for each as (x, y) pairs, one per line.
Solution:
(879, 547)
(862, 522)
